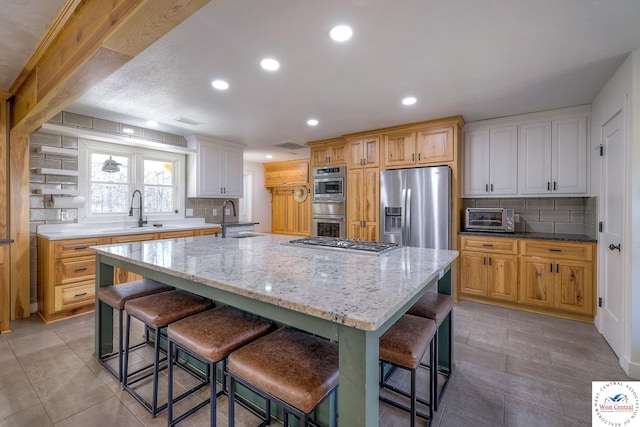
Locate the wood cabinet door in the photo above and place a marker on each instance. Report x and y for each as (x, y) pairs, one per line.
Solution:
(355, 154)
(473, 273)
(355, 186)
(476, 163)
(573, 286)
(302, 220)
(502, 277)
(279, 211)
(536, 281)
(435, 145)
(337, 153)
(318, 155)
(371, 151)
(399, 149)
(353, 229)
(370, 232)
(370, 212)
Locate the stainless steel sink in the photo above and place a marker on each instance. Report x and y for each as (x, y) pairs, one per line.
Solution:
(243, 235)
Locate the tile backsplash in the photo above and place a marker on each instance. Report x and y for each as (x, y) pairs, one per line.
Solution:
(567, 215)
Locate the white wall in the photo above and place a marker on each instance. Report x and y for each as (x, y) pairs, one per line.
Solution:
(261, 197)
(622, 93)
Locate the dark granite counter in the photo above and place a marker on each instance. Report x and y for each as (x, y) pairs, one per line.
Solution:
(539, 236)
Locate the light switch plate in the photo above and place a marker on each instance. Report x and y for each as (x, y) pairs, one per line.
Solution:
(189, 212)
(227, 211)
(516, 217)
(215, 211)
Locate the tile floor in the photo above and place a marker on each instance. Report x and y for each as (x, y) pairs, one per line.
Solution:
(511, 369)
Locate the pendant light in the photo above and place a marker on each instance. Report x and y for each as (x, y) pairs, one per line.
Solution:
(111, 166)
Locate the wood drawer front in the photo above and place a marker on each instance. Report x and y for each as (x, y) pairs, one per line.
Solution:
(210, 231)
(579, 251)
(175, 234)
(488, 244)
(132, 238)
(74, 270)
(75, 295)
(75, 247)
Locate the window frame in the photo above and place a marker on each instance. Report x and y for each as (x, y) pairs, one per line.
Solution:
(136, 156)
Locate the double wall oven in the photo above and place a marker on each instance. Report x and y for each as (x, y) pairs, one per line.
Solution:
(328, 204)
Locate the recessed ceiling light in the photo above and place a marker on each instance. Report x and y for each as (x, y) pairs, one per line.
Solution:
(127, 130)
(270, 64)
(312, 122)
(269, 156)
(409, 100)
(152, 123)
(341, 33)
(220, 84)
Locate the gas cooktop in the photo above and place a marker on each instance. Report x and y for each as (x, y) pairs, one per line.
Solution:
(339, 243)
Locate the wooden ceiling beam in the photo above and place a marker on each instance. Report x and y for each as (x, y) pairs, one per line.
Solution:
(93, 39)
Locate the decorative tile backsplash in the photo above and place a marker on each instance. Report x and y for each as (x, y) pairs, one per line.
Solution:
(568, 215)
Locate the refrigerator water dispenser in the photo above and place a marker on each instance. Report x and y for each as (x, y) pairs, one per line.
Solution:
(392, 219)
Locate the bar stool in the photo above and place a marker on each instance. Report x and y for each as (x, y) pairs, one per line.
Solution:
(115, 297)
(157, 311)
(209, 337)
(293, 368)
(437, 307)
(403, 345)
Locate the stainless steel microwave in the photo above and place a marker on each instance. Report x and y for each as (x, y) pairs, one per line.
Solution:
(489, 219)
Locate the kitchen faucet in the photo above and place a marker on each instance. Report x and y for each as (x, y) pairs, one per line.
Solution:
(224, 222)
(141, 222)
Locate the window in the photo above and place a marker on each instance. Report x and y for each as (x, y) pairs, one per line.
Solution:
(158, 175)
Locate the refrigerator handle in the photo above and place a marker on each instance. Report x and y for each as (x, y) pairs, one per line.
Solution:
(407, 218)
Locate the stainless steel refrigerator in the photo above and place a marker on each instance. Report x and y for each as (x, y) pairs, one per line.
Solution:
(415, 207)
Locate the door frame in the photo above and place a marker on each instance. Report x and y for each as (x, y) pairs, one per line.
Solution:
(626, 242)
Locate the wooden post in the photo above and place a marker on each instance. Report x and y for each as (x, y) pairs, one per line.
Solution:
(87, 42)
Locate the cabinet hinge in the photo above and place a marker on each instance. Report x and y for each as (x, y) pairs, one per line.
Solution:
(600, 226)
(600, 302)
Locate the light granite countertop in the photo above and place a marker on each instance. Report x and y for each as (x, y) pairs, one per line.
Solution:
(81, 230)
(358, 290)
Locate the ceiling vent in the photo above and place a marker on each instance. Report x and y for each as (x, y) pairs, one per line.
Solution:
(189, 121)
(290, 145)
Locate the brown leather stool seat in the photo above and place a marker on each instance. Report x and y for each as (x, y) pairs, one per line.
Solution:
(157, 311)
(115, 297)
(437, 307)
(296, 369)
(403, 345)
(210, 336)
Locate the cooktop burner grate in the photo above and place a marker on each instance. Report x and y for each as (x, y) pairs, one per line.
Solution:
(348, 244)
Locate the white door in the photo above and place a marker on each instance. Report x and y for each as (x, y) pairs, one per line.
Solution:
(476, 163)
(503, 165)
(611, 214)
(569, 156)
(534, 158)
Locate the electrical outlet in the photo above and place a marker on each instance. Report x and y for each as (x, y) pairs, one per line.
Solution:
(227, 211)
(215, 211)
(516, 217)
(189, 212)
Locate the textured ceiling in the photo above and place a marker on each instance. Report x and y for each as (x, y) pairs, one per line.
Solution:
(481, 59)
(23, 23)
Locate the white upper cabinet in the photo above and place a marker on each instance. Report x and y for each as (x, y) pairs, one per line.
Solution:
(216, 168)
(491, 161)
(553, 157)
(538, 154)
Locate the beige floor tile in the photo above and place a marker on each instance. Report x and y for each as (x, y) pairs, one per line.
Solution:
(35, 343)
(16, 394)
(111, 409)
(70, 393)
(34, 416)
(53, 362)
(512, 368)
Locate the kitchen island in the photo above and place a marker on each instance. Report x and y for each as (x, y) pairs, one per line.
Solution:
(347, 297)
